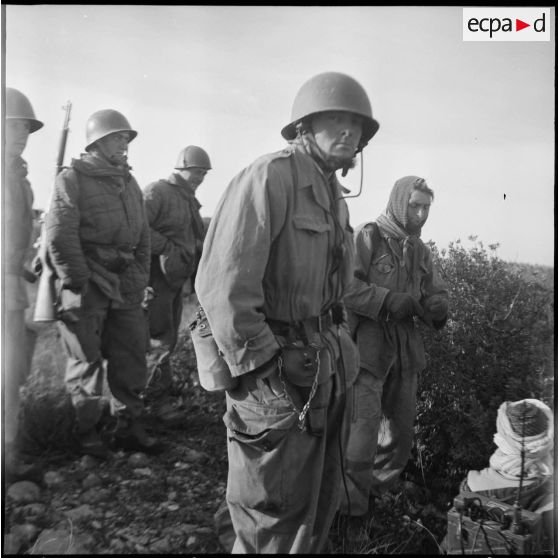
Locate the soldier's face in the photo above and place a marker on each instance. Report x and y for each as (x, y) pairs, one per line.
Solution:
(114, 146)
(193, 175)
(337, 133)
(17, 133)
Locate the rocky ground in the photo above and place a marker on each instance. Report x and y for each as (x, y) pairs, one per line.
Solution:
(134, 503)
(131, 503)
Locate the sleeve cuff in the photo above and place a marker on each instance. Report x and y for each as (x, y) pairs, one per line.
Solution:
(253, 353)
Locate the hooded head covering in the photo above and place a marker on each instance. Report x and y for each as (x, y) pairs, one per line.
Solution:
(393, 222)
(526, 418)
(523, 426)
(396, 210)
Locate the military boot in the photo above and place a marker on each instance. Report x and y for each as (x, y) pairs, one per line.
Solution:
(130, 435)
(167, 411)
(91, 443)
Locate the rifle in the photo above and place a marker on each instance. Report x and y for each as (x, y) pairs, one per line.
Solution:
(45, 306)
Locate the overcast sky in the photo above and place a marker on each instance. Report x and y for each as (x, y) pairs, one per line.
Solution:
(475, 119)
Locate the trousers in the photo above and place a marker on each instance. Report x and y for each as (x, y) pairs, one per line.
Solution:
(105, 332)
(284, 483)
(164, 316)
(381, 434)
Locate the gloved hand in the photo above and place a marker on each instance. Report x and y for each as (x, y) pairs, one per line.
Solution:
(402, 305)
(148, 296)
(437, 307)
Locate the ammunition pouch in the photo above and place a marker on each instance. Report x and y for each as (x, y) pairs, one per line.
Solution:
(309, 351)
(112, 259)
(305, 350)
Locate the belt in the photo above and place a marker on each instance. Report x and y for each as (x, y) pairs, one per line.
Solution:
(302, 327)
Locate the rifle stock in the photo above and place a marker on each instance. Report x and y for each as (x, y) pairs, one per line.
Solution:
(47, 300)
(45, 305)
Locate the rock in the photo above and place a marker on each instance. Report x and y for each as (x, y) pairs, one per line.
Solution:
(52, 479)
(191, 540)
(204, 531)
(80, 513)
(172, 495)
(60, 541)
(33, 511)
(143, 472)
(88, 462)
(161, 546)
(27, 532)
(91, 481)
(188, 528)
(24, 492)
(12, 544)
(96, 495)
(193, 455)
(118, 546)
(138, 459)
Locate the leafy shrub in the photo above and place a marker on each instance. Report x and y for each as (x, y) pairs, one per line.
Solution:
(495, 347)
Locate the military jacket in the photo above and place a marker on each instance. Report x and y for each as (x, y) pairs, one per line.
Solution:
(176, 226)
(18, 230)
(279, 246)
(377, 271)
(97, 229)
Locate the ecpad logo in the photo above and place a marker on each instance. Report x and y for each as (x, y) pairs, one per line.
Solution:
(506, 24)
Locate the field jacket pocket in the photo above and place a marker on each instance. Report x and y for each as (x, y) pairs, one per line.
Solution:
(310, 224)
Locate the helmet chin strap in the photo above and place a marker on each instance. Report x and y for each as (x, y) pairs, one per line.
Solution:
(327, 162)
(307, 137)
(345, 169)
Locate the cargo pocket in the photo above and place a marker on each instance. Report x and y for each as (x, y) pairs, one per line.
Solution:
(259, 477)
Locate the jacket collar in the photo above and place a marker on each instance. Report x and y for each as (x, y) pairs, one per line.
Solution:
(176, 180)
(306, 169)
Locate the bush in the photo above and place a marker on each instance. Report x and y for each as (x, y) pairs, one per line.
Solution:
(495, 347)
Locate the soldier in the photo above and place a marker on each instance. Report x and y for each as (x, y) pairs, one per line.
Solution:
(395, 283)
(277, 259)
(17, 217)
(177, 232)
(98, 242)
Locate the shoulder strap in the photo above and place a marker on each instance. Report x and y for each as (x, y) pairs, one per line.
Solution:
(376, 238)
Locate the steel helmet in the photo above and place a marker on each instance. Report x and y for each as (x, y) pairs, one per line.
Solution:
(18, 106)
(105, 122)
(192, 156)
(332, 91)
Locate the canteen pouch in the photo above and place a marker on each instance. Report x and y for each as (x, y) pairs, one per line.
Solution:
(213, 371)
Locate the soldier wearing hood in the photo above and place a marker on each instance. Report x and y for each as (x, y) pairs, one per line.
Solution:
(395, 284)
(98, 243)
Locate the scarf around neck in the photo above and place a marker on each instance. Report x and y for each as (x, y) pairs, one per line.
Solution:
(93, 165)
(392, 222)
